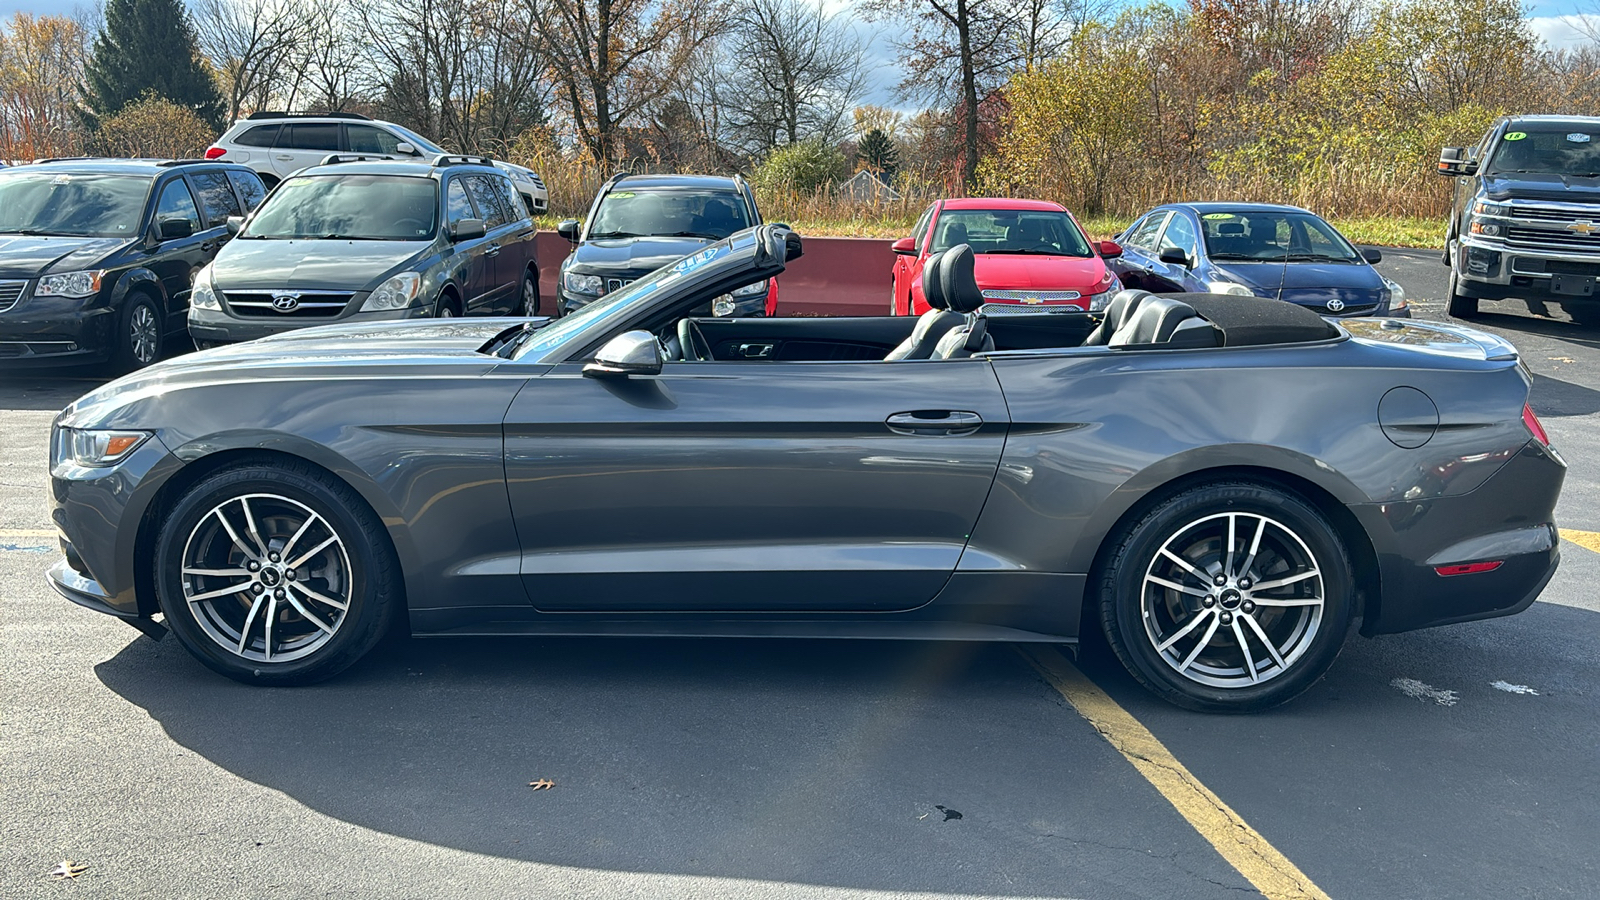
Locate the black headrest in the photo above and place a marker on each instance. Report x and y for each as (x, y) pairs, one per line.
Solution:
(1154, 322)
(932, 283)
(1247, 321)
(958, 272)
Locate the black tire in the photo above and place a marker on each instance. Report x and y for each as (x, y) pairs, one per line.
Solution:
(447, 307)
(141, 334)
(1202, 666)
(1461, 306)
(530, 295)
(213, 528)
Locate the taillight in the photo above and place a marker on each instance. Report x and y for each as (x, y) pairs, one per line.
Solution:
(1534, 428)
(215, 152)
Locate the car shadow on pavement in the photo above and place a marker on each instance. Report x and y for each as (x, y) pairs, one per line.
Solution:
(1554, 397)
(938, 767)
(47, 389)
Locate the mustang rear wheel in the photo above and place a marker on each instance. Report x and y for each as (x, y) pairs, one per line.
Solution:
(1228, 597)
(274, 574)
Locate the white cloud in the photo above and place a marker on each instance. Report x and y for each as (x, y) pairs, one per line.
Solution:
(1559, 32)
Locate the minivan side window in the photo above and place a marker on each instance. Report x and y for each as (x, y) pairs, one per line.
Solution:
(310, 136)
(250, 188)
(177, 203)
(515, 207)
(216, 195)
(457, 205)
(487, 196)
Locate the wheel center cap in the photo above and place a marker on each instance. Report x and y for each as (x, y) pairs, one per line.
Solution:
(1230, 599)
(269, 577)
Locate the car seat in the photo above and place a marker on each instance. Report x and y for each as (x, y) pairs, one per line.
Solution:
(1163, 320)
(953, 235)
(957, 272)
(718, 217)
(1122, 306)
(933, 324)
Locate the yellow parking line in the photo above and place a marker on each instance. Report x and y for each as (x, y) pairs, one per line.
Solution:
(1247, 851)
(1587, 539)
(11, 533)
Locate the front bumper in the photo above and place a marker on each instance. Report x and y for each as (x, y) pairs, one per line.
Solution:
(1489, 270)
(210, 327)
(36, 332)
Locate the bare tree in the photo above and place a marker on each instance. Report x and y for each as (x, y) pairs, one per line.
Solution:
(611, 60)
(249, 42)
(800, 73)
(328, 65)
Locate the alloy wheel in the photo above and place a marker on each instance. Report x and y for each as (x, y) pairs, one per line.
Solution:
(1232, 600)
(266, 578)
(144, 334)
(530, 298)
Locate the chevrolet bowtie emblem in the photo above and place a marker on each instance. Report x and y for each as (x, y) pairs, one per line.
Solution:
(1584, 227)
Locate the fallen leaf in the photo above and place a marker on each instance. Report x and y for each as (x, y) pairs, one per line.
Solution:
(68, 869)
(543, 784)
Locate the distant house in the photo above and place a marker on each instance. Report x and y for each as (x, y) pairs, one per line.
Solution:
(867, 186)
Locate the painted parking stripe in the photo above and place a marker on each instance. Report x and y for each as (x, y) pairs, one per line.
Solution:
(1246, 850)
(26, 534)
(1587, 539)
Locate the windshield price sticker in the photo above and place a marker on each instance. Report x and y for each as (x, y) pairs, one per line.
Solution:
(1578, 138)
(1516, 135)
(1216, 216)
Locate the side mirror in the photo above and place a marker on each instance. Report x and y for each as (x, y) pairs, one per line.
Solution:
(904, 247)
(1453, 161)
(1172, 256)
(467, 229)
(568, 228)
(235, 223)
(172, 229)
(405, 148)
(629, 353)
(1110, 249)
(1372, 254)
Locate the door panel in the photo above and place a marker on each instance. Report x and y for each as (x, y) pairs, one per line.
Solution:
(764, 487)
(805, 340)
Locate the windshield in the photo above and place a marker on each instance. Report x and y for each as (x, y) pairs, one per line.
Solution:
(352, 207)
(712, 215)
(1275, 236)
(1553, 151)
(427, 147)
(72, 205)
(1041, 232)
(621, 302)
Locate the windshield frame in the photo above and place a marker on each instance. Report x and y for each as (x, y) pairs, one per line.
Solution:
(1073, 229)
(278, 195)
(140, 212)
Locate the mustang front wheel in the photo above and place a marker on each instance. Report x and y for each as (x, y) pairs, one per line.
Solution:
(273, 575)
(1229, 597)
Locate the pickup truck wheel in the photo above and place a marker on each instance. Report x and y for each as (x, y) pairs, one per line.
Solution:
(1461, 306)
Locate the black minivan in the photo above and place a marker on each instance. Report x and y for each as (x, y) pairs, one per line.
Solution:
(97, 256)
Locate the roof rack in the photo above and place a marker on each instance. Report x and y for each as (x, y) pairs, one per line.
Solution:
(168, 163)
(457, 159)
(305, 115)
(333, 159)
(54, 159)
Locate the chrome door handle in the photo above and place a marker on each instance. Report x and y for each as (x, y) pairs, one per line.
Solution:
(493, 250)
(934, 422)
(285, 158)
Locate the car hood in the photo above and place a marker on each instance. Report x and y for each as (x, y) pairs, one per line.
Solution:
(1542, 186)
(631, 257)
(1310, 284)
(27, 256)
(1016, 271)
(309, 264)
(356, 348)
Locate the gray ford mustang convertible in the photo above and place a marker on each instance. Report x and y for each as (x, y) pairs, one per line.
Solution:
(1222, 485)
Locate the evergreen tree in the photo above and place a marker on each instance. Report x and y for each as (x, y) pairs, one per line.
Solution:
(878, 154)
(147, 47)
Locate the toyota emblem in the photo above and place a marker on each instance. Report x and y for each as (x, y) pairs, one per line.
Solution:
(285, 301)
(1335, 305)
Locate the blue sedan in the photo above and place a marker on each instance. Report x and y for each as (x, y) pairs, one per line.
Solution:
(1263, 249)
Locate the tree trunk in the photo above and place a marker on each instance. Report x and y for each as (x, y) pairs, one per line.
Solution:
(969, 93)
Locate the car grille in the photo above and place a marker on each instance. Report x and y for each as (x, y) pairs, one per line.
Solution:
(1029, 309)
(10, 292)
(319, 305)
(1542, 239)
(1031, 296)
(1553, 227)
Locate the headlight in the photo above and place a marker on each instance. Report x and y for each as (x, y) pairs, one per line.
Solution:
(1486, 208)
(1229, 287)
(1397, 295)
(99, 448)
(582, 284)
(1097, 302)
(202, 295)
(722, 306)
(759, 289)
(69, 284)
(395, 293)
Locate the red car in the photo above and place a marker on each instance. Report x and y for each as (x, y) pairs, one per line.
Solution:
(1031, 255)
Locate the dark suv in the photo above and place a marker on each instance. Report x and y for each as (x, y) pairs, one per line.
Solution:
(1526, 218)
(639, 223)
(356, 239)
(97, 255)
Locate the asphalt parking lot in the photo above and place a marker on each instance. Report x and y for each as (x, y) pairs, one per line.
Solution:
(1458, 761)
